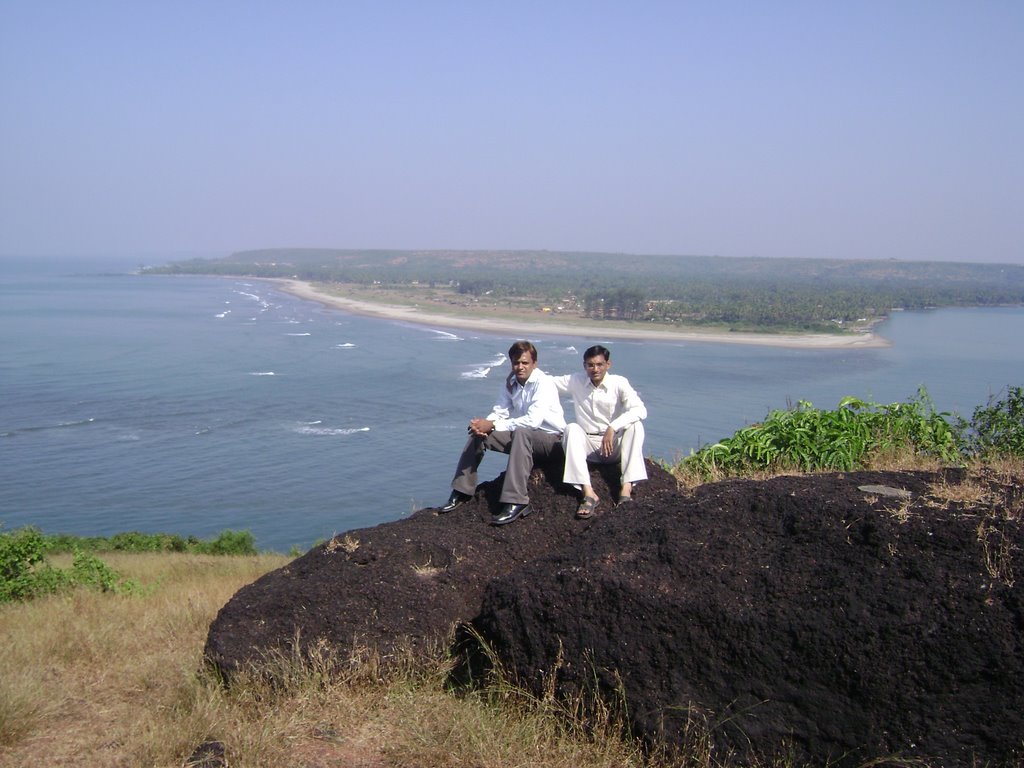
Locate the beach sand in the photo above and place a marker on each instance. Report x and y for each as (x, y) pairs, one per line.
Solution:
(559, 326)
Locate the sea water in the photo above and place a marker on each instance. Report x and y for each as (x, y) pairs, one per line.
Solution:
(194, 404)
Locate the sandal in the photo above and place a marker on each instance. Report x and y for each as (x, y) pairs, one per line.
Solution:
(624, 500)
(586, 508)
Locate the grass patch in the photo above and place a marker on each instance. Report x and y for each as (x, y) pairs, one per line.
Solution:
(849, 437)
(102, 679)
(860, 434)
(227, 542)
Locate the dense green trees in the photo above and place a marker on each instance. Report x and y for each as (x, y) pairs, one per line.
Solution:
(741, 294)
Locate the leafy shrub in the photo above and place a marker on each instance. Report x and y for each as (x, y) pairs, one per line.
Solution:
(227, 543)
(843, 439)
(89, 571)
(997, 428)
(133, 541)
(24, 572)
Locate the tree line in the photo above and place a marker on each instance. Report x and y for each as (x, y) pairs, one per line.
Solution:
(740, 294)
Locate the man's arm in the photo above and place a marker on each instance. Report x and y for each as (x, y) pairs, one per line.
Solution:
(633, 408)
(562, 383)
(499, 414)
(543, 397)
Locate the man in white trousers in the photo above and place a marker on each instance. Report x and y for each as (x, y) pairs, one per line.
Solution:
(608, 427)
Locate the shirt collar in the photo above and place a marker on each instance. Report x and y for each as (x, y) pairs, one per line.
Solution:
(532, 378)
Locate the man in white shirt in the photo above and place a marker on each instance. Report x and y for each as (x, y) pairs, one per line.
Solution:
(608, 427)
(526, 423)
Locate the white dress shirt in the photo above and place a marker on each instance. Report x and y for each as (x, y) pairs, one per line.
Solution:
(614, 403)
(533, 404)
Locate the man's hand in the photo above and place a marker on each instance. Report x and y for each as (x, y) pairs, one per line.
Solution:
(481, 427)
(608, 442)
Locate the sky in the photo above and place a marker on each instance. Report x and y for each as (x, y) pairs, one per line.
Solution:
(876, 129)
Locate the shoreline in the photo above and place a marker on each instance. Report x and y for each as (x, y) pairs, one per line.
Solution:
(595, 329)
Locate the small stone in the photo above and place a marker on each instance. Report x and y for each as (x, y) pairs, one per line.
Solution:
(209, 754)
(885, 490)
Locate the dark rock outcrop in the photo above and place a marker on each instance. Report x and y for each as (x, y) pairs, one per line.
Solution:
(406, 582)
(800, 613)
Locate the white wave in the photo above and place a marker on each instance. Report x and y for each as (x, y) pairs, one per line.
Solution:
(76, 423)
(299, 334)
(445, 336)
(225, 313)
(309, 429)
(346, 345)
(499, 360)
(252, 296)
(262, 373)
(476, 373)
(572, 349)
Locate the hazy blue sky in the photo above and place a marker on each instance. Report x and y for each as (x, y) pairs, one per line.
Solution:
(885, 129)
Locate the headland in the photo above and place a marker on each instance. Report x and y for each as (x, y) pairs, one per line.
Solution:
(526, 325)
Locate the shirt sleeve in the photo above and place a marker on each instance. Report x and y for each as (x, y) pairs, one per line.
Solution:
(501, 409)
(633, 408)
(562, 383)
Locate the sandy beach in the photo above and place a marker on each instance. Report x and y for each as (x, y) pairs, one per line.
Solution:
(588, 329)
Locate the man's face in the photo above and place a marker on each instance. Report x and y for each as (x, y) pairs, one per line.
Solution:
(523, 366)
(596, 367)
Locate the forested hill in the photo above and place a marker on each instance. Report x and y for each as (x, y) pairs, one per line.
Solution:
(740, 293)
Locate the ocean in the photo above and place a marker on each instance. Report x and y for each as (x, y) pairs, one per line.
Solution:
(192, 405)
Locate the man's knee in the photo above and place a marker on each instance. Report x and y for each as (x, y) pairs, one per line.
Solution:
(574, 436)
(634, 432)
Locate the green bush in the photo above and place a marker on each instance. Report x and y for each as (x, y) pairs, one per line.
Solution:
(24, 572)
(997, 428)
(89, 571)
(227, 543)
(133, 541)
(842, 439)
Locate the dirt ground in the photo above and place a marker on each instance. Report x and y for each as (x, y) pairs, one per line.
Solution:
(816, 616)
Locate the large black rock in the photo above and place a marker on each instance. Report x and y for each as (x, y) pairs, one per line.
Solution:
(802, 615)
(798, 615)
(405, 583)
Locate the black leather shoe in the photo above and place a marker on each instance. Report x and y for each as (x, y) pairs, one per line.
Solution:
(509, 513)
(456, 500)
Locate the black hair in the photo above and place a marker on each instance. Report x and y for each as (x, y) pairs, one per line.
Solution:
(517, 349)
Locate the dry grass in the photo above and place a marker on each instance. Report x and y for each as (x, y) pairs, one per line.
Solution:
(103, 680)
(992, 492)
(891, 461)
(92, 677)
(346, 543)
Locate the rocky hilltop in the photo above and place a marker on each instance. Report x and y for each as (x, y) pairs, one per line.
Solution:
(836, 618)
